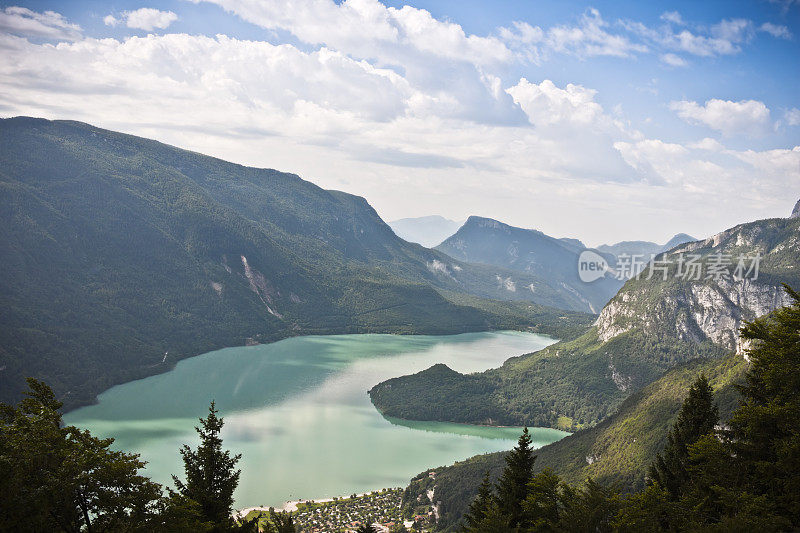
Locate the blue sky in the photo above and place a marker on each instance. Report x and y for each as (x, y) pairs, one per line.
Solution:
(602, 120)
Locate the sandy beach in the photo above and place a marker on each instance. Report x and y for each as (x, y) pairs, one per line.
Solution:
(290, 506)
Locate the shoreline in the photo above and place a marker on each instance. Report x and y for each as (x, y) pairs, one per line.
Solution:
(164, 367)
(291, 505)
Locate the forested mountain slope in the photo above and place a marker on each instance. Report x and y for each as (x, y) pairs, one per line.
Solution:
(650, 326)
(615, 452)
(122, 255)
(490, 242)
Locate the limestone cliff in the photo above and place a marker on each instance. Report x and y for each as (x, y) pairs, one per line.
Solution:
(752, 261)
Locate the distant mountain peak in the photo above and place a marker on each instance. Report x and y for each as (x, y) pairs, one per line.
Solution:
(426, 218)
(427, 230)
(677, 240)
(553, 261)
(484, 222)
(796, 210)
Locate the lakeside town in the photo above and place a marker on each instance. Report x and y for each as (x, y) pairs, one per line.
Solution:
(383, 509)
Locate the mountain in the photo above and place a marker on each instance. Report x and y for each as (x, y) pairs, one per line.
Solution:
(122, 255)
(490, 242)
(644, 248)
(796, 210)
(573, 244)
(680, 238)
(427, 231)
(617, 451)
(650, 326)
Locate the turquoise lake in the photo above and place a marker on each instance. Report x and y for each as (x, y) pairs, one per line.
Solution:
(298, 412)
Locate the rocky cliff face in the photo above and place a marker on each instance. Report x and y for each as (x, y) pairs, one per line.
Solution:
(796, 210)
(711, 307)
(698, 312)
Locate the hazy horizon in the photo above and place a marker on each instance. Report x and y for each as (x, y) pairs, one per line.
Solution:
(595, 120)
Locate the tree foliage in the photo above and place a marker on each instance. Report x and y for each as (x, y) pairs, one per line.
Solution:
(513, 483)
(64, 479)
(479, 507)
(742, 478)
(698, 416)
(211, 475)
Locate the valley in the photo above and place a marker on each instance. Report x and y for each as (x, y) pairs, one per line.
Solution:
(369, 266)
(298, 410)
(123, 255)
(654, 323)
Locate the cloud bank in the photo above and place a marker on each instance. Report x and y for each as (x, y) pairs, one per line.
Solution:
(145, 18)
(413, 112)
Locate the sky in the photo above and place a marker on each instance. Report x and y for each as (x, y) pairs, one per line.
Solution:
(603, 121)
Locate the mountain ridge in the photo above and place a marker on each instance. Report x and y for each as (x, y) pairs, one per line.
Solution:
(428, 231)
(123, 255)
(656, 321)
(488, 241)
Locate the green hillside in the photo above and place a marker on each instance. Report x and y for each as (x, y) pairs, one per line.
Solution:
(615, 451)
(122, 255)
(650, 326)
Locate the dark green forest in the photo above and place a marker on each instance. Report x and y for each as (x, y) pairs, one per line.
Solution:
(61, 478)
(701, 475)
(574, 374)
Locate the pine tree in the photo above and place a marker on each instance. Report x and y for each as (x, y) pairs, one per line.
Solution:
(697, 417)
(748, 478)
(512, 487)
(210, 475)
(55, 478)
(367, 528)
(766, 427)
(542, 506)
(480, 506)
(591, 507)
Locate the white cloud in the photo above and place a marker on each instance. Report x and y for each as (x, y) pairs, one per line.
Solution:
(746, 117)
(522, 33)
(723, 38)
(707, 144)
(709, 169)
(654, 159)
(356, 115)
(546, 104)
(733, 30)
(145, 18)
(590, 38)
(48, 25)
(700, 45)
(778, 31)
(368, 29)
(673, 60)
(792, 117)
(780, 162)
(673, 16)
(525, 40)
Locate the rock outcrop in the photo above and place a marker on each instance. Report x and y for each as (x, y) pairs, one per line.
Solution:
(708, 307)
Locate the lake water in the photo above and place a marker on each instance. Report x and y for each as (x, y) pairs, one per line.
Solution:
(298, 412)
